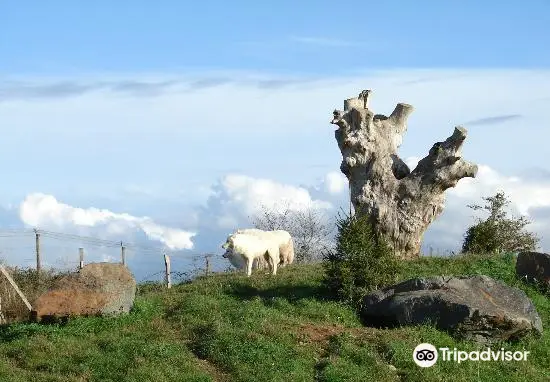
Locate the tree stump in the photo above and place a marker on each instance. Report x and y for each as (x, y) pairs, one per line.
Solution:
(401, 203)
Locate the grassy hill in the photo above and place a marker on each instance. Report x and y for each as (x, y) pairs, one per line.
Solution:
(230, 328)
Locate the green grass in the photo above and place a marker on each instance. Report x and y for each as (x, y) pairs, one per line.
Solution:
(231, 328)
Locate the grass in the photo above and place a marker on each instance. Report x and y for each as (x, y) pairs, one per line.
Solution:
(231, 328)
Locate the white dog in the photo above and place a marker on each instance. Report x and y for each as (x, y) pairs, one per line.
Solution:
(280, 237)
(242, 249)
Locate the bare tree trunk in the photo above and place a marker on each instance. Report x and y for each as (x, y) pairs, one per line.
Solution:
(401, 203)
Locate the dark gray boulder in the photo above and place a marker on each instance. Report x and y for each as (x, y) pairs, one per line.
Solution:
(534, 267)
(476, 308)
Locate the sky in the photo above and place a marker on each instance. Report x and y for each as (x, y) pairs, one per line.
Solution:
(168, 123)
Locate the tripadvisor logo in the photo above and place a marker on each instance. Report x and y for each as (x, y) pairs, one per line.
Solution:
(426, 355)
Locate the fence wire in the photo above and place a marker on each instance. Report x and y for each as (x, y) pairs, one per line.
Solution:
(48, 250)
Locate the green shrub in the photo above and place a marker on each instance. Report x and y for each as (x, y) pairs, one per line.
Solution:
(498, 233)
(361, 262)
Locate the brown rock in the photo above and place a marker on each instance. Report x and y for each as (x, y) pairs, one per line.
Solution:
(98, 289)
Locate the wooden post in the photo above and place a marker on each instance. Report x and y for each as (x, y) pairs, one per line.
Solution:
(351, 211)
(167, 269)
(2, 318)
(37, 245)
(14, 285)
(123, 253)
(207, 271)
(81, 256)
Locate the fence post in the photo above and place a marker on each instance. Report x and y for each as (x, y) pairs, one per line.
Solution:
(2, 318)
(167, 270)
(123, 253)
(81, 256)
(351, 209)
(37, 246)
(207, 271)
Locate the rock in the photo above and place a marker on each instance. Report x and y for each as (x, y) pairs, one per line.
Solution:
(474, 308)
(534, 267)
(98, 289)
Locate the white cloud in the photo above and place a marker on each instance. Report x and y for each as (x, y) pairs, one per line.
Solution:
(45, 211)
(237, 198)
(227, 222)
(335, 182)
(525, 195)
(412, 162)
(253, 193)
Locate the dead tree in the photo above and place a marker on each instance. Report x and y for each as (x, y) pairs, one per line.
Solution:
(402, 203)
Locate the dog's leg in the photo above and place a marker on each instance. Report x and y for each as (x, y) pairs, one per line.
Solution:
(274, 268)
(274, 261)
(282, 259)
(249, 266)
(269, 260)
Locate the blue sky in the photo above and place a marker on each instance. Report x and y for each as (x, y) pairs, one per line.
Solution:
(170, 122)
(307, 37)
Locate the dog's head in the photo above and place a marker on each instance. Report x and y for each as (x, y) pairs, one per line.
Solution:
(227, 253)
(228, 245)
(236, 260)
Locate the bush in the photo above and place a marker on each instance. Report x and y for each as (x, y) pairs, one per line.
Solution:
(311, 230)
(361, 262)
(498, 233)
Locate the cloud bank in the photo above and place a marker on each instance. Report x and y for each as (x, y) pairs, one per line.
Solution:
(528, 197)
(236, 198)
(46, 212)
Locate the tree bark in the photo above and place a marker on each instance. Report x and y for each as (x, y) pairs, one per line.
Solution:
(402, 203)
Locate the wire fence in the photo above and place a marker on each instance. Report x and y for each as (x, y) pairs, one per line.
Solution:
(32, 261)
(43, 249)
